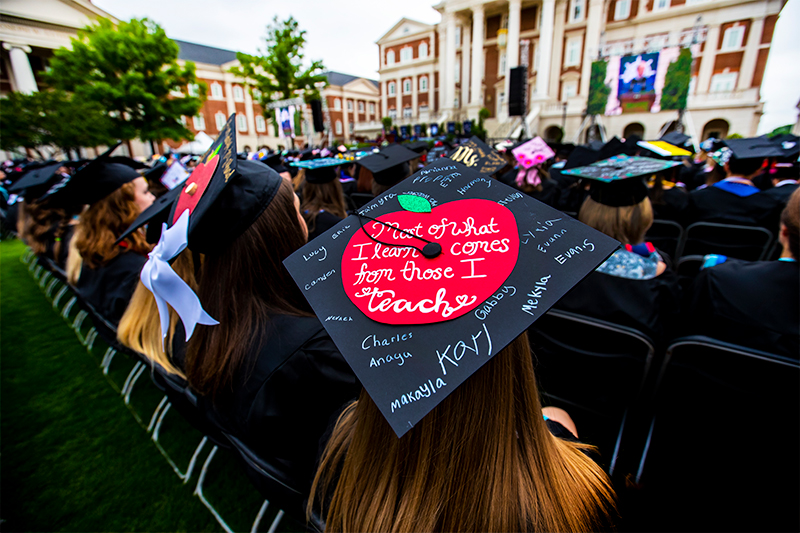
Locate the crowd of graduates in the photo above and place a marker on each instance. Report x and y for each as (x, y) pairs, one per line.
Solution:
(239, 332)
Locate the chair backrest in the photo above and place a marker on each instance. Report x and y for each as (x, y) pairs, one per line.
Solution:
(593, 369)
(665, 235)
(361, 198)
(722, 451)
(750, 243)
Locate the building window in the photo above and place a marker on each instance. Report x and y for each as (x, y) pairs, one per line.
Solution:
(457, 73)
(455, 102)
(216, 91)
(501, 65)
(261, 124)
(458, 35)
(576, 10)
(337, 104)
(256, 94)
(570, 89)
(238, 94)
(349, 105)
(176, 92)
(392, 88)
(350, 126)
(406, 86)
(193, 89)
(393, 113)
(406, 54)
(361, 107)
(371, 108)
(407, 112)
(423, 109)
(219, 120)
(723, 83)
(423, 83)
(423, 50)
(199, 122)
(622, 10)
(338, 127)
(660, 5)
(573, 56)
(733, 37)
(183, 120)
(390, 57)
(241, 122)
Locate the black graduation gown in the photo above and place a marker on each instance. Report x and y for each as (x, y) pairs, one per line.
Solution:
(673, 205)
(282, 404)
(549, 193)
(755, 304)
(650, 306)
(109, 288)
(781, 194)
(323, 223)
(50, 245)
(714, 204)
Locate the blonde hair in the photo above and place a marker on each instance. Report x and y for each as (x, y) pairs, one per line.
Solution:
(74, 259)
(628, 224)
(482, 460)
(140, 327)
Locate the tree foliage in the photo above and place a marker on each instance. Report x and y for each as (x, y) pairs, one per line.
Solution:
(598, 90)
(278, 72)
(53, 117)
(130, 71)
(676, 82)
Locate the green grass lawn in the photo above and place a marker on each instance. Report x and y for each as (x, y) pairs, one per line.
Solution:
(74, 458)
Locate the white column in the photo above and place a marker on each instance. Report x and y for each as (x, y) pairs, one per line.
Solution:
(414, 99)
(558, 48)
(449, 62)
(229, 98)
(478, 30)
(398, 85)
(707, 60)
(21, 67)
(431, 96)
(345, 119)
(441, 66)
(465, 74)
(748, 68)
(545, 48)
(591, 43)
(384, 110)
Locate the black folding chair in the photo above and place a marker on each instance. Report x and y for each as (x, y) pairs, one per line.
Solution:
(595, 370)
(722, 449)
(750, 243)
(665, 235)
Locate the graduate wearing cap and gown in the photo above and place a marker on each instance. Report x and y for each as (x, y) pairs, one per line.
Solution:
(735, 200)
(634, 287)
(116, 194)
(267, 372)
(323, 205)
(667, 193)
(389, 167)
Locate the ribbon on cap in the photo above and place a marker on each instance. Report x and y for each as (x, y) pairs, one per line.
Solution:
(167, 286)
(529, 176)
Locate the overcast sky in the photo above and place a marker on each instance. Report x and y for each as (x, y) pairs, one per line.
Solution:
(343, 35)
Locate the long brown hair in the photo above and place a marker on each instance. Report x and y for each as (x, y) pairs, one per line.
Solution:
(482, 460)
(103, 222)
(240, 288)
(628, 224)
(322, 196)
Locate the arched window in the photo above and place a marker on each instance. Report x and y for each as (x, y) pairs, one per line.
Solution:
(423, 83)
(390, 57)
(261, 124)
(392, 89)
(241, 122)
(219, 120)
(337, 104)
(216, 91)
(238, 94)
(199, 122)
(338, 127)
(406, 86)
(423, 50)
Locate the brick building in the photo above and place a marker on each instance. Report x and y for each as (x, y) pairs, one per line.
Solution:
(354, 106)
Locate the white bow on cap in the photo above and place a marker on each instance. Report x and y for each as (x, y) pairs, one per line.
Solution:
(167, 286)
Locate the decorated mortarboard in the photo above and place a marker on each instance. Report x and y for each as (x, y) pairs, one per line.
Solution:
(676, 139)
(756, 148)
(710, 145)
(788, 144)
(319, 171)
(529, 155)
(477, 155)
(219, 201)
(389, 165)
(423, 285)
(38, 181)
(619, 180)
(721, 156)
(664, 149)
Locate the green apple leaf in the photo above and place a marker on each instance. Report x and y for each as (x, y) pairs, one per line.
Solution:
(415, 204)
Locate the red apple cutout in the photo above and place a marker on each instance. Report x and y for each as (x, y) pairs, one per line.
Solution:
(398, 285)
(201, 175)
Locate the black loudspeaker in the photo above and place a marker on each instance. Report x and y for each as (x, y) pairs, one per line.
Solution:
(518, 91)
(316, 113)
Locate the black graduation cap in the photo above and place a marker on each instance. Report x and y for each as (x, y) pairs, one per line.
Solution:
(611, 148)
(272, 160)
(413, 323)
(153, 216)
(305, 155)
(38, 181)
(127, 161)
(479, 156)
(224, 195)
(417, 146)
(319, 171)
(788, 144)
(619, 180)
(595, 145)
(94, 181)
(581, 156)
(154, 173)
(388, 166)
(756, 148)
(677, 139)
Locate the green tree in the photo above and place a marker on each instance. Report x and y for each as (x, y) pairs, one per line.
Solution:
(130, 71)
(387, 124)
(598, 90)
(676, 82)
(278, 72)
(782, 130)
